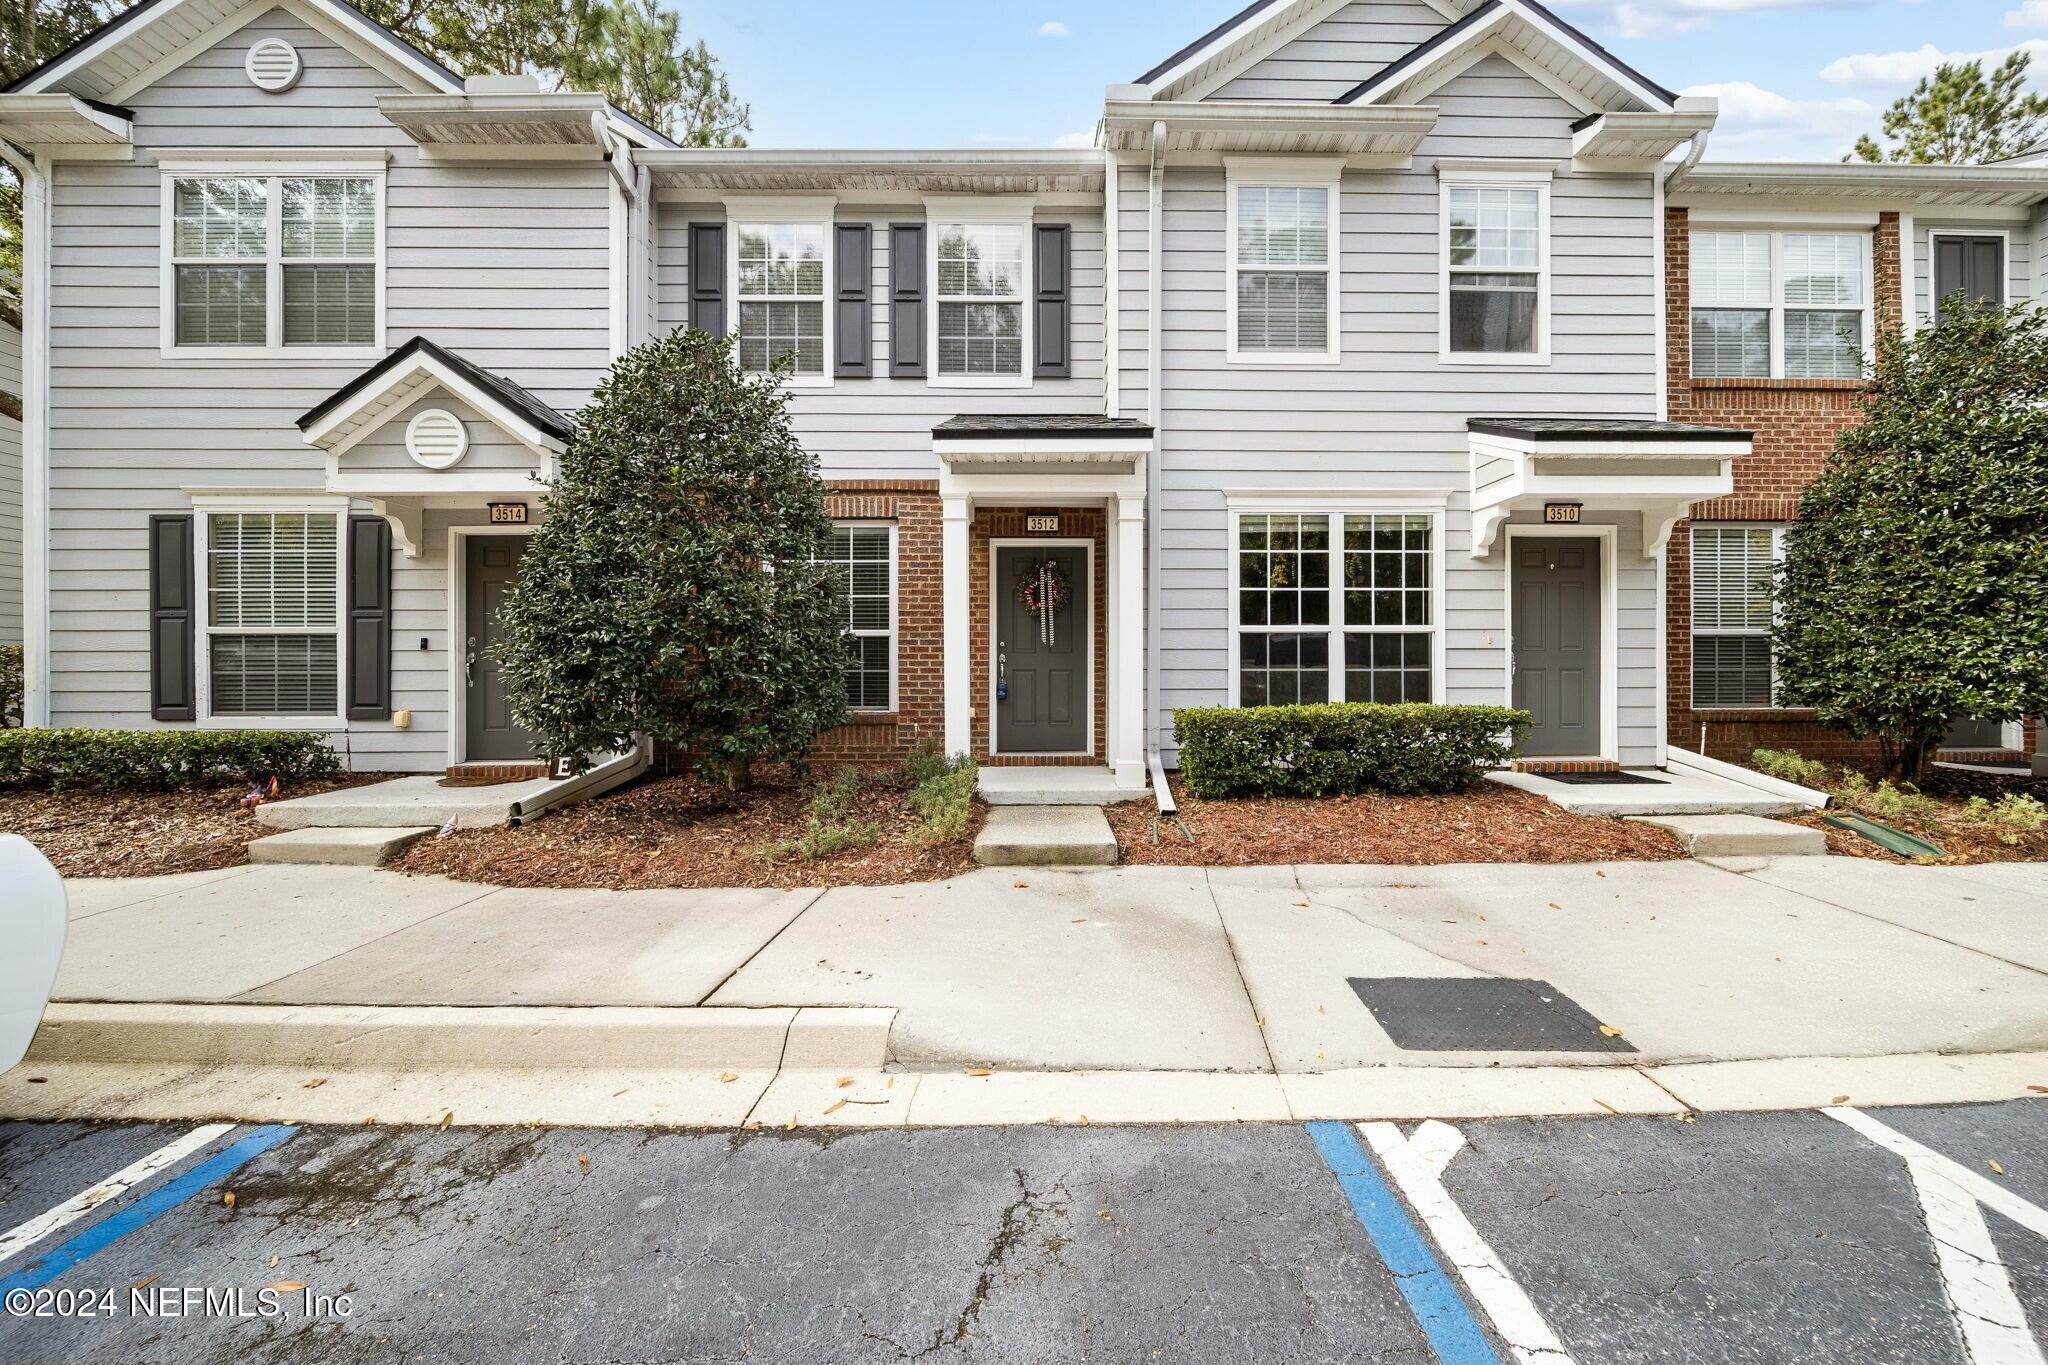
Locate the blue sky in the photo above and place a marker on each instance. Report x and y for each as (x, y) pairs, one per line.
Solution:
(1797, 79)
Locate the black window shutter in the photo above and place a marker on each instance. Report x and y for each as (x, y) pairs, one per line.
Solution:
(173, 689)
(1053, 298)
(853, 342)
(906, 300)
(707, 277)
(369, 618)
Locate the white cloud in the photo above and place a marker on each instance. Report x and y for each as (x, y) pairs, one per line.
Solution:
(1761, 125)
(1053, 28)
(1075, 141)
(1904, 68)
(2031, 14)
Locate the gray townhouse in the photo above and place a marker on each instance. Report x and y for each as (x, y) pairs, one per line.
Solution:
(1378, 350)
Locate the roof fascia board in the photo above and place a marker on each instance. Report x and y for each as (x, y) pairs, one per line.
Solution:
(424, 364)
(117, 30)
(317, 15)
(1306, 17)
(1589, 52)
(1497, 45)
(1472, 28)
(1378, 88)
(1919, 183)
(1244, 23)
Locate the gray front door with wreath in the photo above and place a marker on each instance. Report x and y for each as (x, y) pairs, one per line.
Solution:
(1041, 652)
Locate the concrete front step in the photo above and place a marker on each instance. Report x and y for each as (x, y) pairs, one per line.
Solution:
(403, 802)
(358, 845)
(1739, 836)
(1041, 836)
(1053, 786)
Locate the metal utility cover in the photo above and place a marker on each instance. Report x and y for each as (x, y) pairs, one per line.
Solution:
(1480, 1014)
(1605, 779)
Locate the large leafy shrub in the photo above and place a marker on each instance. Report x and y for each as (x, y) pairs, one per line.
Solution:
(1915, 582)
(156, 760)
(671, 589)
(1341, 747)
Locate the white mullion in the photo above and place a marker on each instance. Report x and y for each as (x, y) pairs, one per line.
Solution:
(1334, 633)
(273, 262)
(1777, 312)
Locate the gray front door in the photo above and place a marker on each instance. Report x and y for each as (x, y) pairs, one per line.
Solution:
(1975, 265)
(490, 565)
(1041, 673)
(1556, 595)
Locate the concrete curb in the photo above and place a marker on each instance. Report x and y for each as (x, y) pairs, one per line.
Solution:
(419, 1038)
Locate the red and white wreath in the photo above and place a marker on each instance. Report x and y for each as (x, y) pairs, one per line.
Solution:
(1043, 590)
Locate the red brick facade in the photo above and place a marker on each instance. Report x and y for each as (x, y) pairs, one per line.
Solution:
(1796, 422)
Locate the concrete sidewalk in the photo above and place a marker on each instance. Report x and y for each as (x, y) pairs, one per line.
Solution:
(1143, 969)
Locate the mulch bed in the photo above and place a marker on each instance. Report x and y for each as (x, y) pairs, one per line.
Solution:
(146, 834)
(683, 832)
(1959, 843)
(1489, 824)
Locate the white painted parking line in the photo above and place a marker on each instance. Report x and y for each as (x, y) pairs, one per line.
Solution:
(19, 1238)
(1973, 1275)
(1417, 1166)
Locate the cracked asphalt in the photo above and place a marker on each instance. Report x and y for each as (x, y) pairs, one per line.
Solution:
(1773, 1238)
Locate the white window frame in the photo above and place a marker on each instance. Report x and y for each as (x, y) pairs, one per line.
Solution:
(1777, 530)
(770, 212)
(204, 509)
(991, 210)
(1456, 176)
(1284, 173)
(1777, 233)
(894, 632)
(1337, 509)
(273, 173)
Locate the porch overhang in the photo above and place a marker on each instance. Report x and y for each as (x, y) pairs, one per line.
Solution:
(65, 125)
(523, 125)
(1062, 445)
(1638, 141)
(1657, 469)
(1368, 136)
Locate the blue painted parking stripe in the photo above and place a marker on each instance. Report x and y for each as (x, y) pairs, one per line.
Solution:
(1439, 1309)
(147, 1209)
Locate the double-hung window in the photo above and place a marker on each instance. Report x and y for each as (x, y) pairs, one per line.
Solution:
(273, 264)
(1337, 606)
(273, 608)
(981, 319)
(863, 558)
(1283, 277)
(1496, 284)
(1780, 305)
(780, 271)
(1731, 614)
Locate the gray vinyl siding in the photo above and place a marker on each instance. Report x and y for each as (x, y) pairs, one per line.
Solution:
(507, 265)
(1390, 415)
(2019, 261)
(10, 490)
(1337, 53)
(881, 428)
(489, 451)
(1133, 288)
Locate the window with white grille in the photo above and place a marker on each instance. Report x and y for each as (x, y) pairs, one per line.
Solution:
(979, 298)
(1731, 615)
(1494, 251)
(273, 263)
(780, 287)
(863, 558)
(1283, 288)
(1780, 305)
(273, 613)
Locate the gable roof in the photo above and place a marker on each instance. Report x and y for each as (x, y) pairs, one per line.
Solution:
(367, 401)
(1213, 37)
(1524, 25)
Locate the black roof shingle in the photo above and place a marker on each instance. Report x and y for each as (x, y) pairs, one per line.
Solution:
(1601, 429)
(519, 400)
(1054, 426)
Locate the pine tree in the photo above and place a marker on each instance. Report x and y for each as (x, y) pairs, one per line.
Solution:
(1960, 117)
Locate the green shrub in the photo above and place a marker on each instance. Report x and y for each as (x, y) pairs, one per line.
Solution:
(2013, 816)
(944, 799)
(11, 686)
(154, 760)
(1788, 765)
(829, 827)
(1324, 750)
(927, 761)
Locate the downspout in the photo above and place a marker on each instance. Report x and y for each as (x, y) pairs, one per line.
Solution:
(1695, 149)
(35, 433)
(1155, 232)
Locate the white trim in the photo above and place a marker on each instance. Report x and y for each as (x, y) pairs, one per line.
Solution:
(1441, 74)
(935, 224)
(1792, 220)
(826, 291)
(273, 173)
(995, 601)
(486, 403)
(35, 436)
(2005, 278)
(458, 616)
(1324, 173)
(768, 209)
(1221, 42)
(1660, 339)
(1605, 65)
(1377, 500)
(252, 161)
(979, 208)
(1496, 175)
(1336, 507)
(618, 273)
(205, 507)
(1776, 309)
(895, 632)
(1610, 626)
(1295, 25)
(1112, 300)
(1909, 273)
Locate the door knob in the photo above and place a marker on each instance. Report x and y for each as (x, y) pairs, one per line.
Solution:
(469, 663)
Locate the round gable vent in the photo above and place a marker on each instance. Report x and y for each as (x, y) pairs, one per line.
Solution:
(436, 439)
(273, 65)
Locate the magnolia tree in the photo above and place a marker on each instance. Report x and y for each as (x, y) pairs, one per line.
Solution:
(671, 589)
(1914, 588)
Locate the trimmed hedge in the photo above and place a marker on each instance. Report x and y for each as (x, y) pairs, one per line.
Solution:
(1343, 747)
(154, 760)
(11, 679)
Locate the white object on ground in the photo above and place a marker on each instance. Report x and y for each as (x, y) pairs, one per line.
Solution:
(1417, 1165)
(18, 1239)
(33, 917)
(1973, 1274)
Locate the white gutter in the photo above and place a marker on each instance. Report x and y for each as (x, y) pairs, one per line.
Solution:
(35, 434)
(1155, 267)
(599, 780)
(1695, 149)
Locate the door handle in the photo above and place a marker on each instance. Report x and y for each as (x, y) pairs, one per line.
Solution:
(469, 664)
